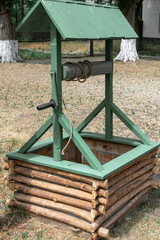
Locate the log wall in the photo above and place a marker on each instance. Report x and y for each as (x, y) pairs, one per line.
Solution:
(83, 202)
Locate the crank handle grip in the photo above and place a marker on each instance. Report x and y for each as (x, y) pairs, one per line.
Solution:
(43, 106)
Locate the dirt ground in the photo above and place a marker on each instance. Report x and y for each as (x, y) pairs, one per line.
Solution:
(25, 85)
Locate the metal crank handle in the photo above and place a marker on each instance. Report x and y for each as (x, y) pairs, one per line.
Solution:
(43, 106)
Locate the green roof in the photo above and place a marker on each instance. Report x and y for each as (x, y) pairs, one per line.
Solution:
(77, 20)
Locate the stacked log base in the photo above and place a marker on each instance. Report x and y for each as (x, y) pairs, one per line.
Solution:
(83, 202)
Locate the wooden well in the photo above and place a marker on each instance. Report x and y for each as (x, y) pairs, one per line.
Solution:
(86, 180)
(83, 202)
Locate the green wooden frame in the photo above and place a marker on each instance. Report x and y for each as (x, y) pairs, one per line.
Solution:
(59, 122)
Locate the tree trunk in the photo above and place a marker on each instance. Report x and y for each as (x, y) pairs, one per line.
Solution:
(8, 47)
(90, 48)
(128, 51)
(6, 29)
(22, 9)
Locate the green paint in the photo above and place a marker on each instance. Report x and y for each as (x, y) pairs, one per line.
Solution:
(90, 117)
(77, 20)
(81, 145)
(108, 168)
(56, 91)
(115, 139)
(130, 125)
(36, 136)
(62, 165)
(108, 91)
(126, 159)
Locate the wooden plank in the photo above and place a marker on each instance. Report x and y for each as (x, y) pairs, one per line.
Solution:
(62, 165)
(81, 145)
(126, 159)
(90, 117)
(108, 91)
(115, 139)
(36, 136)
(131, 125)
(56, 91)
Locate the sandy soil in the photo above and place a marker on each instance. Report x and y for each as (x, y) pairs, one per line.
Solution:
(25, 85)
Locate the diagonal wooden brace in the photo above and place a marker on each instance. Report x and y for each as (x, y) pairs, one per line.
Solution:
(79, 142)
(36, 136)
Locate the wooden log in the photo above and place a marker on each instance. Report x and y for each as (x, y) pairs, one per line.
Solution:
(156, 161)
(129, 171)
(101, 209)
(123, 211)
(52, 196)
(154, 184)
(9, 182)
(156, 170)
(129, 178)
(103, 201)
(11, 166)
(94, 203)
(89, 216)
(5, 166)
(103, 193)
(5, 159)
(130, 168)
(119, 203)
(53, 187)
(94, 195)
(94, 236)
(62, 217)
(76, 177)
(53, 178)
(128, 188)
(103, 232)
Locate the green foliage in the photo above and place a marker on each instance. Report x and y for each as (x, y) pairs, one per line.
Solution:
(15, 7)
(5, 5)
(28, 54)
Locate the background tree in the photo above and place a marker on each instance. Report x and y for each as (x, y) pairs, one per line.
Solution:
(11, 10)
(131, 10)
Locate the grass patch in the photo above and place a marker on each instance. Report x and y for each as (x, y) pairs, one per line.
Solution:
(149, 53)
(28, 54)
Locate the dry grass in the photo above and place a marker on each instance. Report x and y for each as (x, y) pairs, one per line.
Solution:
(25, 85)
(69, 46)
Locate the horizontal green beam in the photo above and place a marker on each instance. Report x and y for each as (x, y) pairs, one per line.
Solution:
(90, 117)
(130, 125)
(37, 135)
(61, 165)
(79, 142)
(114, 139)
(127, 158)
(109, 168)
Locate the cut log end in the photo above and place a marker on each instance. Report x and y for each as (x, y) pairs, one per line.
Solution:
(5, 166)
(156, 161)
(103, 232)
(155, 184)
(156, 170)
(101, 209)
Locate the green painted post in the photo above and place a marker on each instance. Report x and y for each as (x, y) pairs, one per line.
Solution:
(56, 91)
(108, 91)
